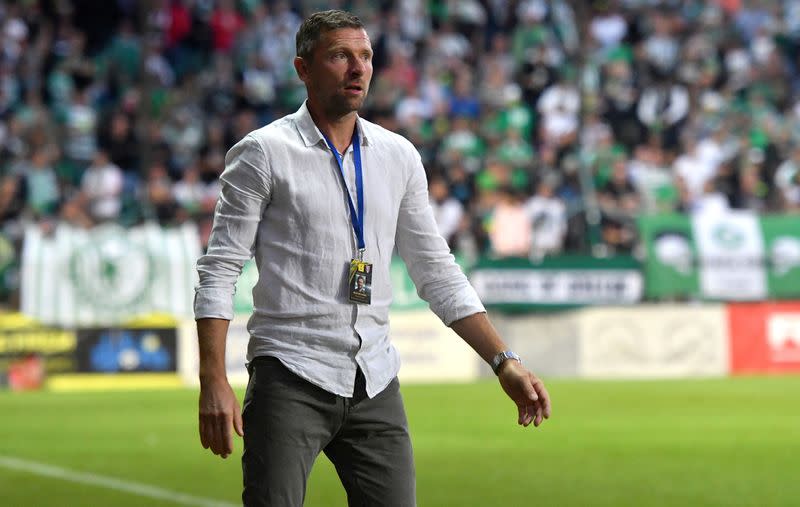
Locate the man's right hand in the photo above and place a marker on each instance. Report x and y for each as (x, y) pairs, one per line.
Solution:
(219, 410)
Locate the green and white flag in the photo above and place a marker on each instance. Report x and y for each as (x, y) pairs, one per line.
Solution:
(727, 256)
(731, 255)
(108, 275)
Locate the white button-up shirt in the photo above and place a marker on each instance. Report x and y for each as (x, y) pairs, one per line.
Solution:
(283, 201)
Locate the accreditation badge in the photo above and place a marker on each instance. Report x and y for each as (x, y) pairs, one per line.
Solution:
(359, 283)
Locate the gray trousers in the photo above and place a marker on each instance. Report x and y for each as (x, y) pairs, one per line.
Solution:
(289, 421)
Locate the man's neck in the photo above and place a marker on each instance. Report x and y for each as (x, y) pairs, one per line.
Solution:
(339, 129)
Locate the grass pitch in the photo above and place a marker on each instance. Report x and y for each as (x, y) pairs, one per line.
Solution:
(721, 442)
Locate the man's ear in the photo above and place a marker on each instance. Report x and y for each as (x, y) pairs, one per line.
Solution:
(301, 67)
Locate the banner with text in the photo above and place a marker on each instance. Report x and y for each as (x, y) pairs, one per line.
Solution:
(107, 275)
(519, 285)
(765, 337)
(22, 338)
(736, 256)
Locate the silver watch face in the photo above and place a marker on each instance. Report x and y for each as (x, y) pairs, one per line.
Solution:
(503, 357)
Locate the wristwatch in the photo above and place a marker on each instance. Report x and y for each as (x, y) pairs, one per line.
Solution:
(500, 358)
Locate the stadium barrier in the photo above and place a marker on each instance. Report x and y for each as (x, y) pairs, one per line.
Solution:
(648, 341)
(642, 341)
(653, 341)
(429, 351)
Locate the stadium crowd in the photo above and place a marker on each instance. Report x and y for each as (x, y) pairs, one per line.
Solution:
(545, 126)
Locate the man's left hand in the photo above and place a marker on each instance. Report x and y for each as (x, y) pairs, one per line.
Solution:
(527, 391)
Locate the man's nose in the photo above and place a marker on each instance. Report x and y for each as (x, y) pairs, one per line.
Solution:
(357, 67)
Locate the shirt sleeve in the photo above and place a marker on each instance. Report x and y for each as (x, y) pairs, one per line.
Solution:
(244, 195)
(437, 277)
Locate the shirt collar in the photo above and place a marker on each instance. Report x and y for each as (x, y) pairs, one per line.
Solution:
(312, 135)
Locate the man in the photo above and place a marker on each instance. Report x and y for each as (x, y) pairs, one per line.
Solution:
(360, 285)
(318, 196)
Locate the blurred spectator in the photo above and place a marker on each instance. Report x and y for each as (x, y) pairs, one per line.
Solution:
(413, 109)
(450, 46)
(653, 179)
(661, 48)
(461, 186)
(614, 107)
(608, 27)
(711, 201)
(464, 102)
(225, 23)
(158, 190)
(620, 96)
(101, 189)
(519, 154)
(12, 201)
(447, 211)
(663, 108)
(509, 226)
(619, 203)
(498, 174)
(118, 139)
(80, 136)
(752, 190)
(42, 191)
(548, 219)
(787, 179)
(694, 169)
(535, 75)
(184, 135)
(559, 106)
(462, 143)
(194, 200)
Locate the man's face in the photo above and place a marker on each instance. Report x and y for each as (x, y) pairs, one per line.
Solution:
(360, 283)
(338, 75)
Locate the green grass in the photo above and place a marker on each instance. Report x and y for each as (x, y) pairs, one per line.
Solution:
(725, 442)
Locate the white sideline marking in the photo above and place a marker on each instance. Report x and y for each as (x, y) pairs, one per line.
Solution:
(136, 488)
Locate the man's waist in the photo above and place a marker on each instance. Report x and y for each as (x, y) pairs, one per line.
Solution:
(332, 370)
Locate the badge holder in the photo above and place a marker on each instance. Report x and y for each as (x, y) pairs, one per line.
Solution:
(360, 281)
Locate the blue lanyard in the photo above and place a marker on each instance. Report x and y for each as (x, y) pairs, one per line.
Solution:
(357, 219)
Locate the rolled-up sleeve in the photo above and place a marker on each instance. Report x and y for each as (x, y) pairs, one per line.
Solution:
(437, 277)
(244, 195)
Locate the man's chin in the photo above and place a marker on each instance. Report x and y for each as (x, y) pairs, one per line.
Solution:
(347, 105)
(356, 101)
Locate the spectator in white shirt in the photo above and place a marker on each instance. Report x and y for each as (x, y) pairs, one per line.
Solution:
(711, 201)
(608, 28)
(510, 226)
(101, 189)
(787, 180)
(447, 211)
(693, 169)
(548, 217)
(559, 106)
